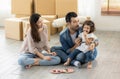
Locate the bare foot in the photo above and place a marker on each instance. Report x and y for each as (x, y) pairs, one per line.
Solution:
(36, 62)
(89, 65)
(67, 62)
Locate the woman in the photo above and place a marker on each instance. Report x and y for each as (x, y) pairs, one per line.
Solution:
(35, 42)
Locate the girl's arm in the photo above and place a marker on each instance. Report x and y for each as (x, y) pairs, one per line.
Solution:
(86, 39)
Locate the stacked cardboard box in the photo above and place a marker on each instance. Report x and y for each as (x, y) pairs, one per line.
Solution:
(21, 16)
(16, 28)
(61, 28)
(26, 26)
(45, 7)
(48, 24)
(50, 18)
(65, 6)
(22, 8)
(13, 28)
(49, 8)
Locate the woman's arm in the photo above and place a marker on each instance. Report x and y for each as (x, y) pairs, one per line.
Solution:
(33, 49)
(40, 55)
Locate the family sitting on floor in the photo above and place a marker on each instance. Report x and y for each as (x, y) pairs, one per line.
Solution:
(78, 44)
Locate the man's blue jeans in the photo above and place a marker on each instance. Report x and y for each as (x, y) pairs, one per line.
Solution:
(63, 55)
(74, 53)
(79, 57)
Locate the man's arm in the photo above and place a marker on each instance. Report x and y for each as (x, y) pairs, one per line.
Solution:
(66, 46)
(77, 43)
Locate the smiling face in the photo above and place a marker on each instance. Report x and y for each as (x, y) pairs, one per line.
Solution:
(39, 22)
(86, 28)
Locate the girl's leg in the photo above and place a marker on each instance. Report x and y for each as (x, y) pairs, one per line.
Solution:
(71, 56)
(54, 61)
(27, 60)
(89, 65)
(67, 62)
(90, 56)
(81, 58)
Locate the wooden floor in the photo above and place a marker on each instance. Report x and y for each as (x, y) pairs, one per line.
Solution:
(106, 65)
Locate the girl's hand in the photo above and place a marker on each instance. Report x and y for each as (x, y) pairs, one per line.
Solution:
(85, 34)
(92, 46)
(86, 39)
(47, 58)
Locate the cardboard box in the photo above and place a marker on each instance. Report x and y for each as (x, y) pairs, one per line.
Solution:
(13, 28)
(48, 24)
(61, 28)
(45, 7)
(26, 26)
(50, 18)
(22, 7)
(65, 6)
(20, 15)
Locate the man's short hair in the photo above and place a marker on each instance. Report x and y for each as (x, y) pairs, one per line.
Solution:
(69, 16)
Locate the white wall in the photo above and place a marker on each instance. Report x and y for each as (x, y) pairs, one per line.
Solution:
(110, 23)
(5, 11)
(106, 23)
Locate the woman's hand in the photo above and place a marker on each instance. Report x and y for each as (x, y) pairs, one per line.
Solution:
(47, 58)
(53, 53)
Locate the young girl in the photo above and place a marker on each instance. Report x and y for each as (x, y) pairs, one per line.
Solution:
(88, 43)
(35, 42)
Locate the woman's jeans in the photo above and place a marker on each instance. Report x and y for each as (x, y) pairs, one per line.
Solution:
(28, 59)
(79, 57)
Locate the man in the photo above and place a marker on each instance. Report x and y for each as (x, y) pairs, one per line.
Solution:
(69, 41)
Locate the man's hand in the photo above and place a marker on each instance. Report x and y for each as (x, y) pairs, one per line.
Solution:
(77, 41)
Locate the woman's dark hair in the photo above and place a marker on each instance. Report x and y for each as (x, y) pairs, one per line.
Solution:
(69, 16)
(34, 27)
(91, 24)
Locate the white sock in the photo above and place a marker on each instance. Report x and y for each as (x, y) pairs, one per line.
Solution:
(76, 63)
